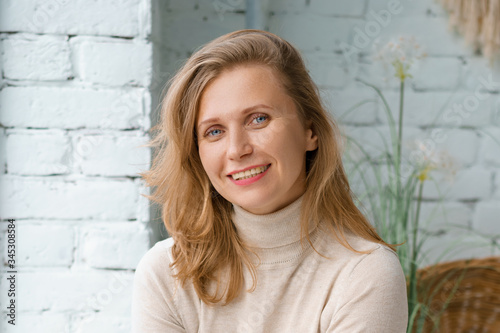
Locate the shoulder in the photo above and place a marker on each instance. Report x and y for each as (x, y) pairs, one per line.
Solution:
(373, 262)
(155, 297)
(372, 290)
(378, 255)
(376, 275)
(379, 261)
(159, 256)
(369, 254)
(154, 268)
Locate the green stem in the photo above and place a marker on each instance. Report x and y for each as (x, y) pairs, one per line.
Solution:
(400, 134)
(399, 191)
(417, 218)
(412, 298)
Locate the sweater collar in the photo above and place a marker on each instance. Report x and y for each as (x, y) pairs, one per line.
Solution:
(273, 230)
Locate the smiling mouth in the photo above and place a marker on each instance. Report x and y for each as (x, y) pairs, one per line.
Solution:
(250, 173)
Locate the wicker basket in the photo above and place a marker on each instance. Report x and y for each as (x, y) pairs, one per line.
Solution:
(462, 296)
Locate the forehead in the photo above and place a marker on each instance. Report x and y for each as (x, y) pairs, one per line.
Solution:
(238, 88)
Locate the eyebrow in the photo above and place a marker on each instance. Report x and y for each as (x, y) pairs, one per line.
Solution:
(245, 111)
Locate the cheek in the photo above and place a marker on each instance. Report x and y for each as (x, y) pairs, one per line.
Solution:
(271, 137)
(209, 159)
(285, 139)
(293, 152)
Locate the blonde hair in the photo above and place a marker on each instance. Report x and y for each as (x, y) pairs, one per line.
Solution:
(206, 243)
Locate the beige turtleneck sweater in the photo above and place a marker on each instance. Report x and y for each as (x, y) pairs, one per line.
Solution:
(297, 290)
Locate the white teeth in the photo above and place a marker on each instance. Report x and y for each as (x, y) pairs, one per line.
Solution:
(249, 173)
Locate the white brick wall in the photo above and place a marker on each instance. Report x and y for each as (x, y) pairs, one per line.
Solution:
(497, 186)
(38, 152)
(75, 106)
(71, 107)
(468, 184)
(77, 90)
(35, 57)
(490, 149)
(440, 217)
(110, 18)
(112, 61)
(487, 218)
(42, 245)
(123, 243)
(57, 198)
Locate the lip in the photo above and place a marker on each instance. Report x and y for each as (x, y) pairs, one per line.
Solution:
(249, 168)
(251, 180)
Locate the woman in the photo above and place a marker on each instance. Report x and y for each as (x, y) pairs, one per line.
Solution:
(265, 236)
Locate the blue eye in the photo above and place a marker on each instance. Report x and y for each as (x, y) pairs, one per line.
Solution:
(260, 119)
(214, 132)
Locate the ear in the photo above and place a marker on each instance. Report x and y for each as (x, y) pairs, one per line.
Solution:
(311, 140)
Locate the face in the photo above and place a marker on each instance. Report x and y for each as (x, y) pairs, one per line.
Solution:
(251, 141)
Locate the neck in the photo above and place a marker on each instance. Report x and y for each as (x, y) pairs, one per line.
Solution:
(275, 236)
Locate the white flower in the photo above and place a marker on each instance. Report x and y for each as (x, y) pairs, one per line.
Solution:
(402, 54)
(426, 158)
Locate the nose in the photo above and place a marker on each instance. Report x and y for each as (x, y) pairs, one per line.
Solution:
(239, 144)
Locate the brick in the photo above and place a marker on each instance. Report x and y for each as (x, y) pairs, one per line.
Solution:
(460, 145)
(31, 57)
(108, 155)
(114, 245)
(369, 35)
(444, 216)
(1, 59)
(287, 6)
(409, 8)
(496, 112)
(497, 185)
(37, 152)
(186, 31)
(3, 150)
(107, 291)
(105, 199)
(102, 60)
(466, 109)
(338, 7)
(339, 102)
(454, 245)
(186, 5)
(478, 74)
(473, 183)
(449, 70)
(375, 140)
(310, 32)
(490, 149)
(418, 108)
(44, 245)
(144, 211)
(431, 32)
(112, 18)
(73, 107)
(435, 108)
(208, 7)
(487, 218)
(49, 321)
(327, 70)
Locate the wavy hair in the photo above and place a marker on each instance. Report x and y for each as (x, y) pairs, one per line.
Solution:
(206, 245)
